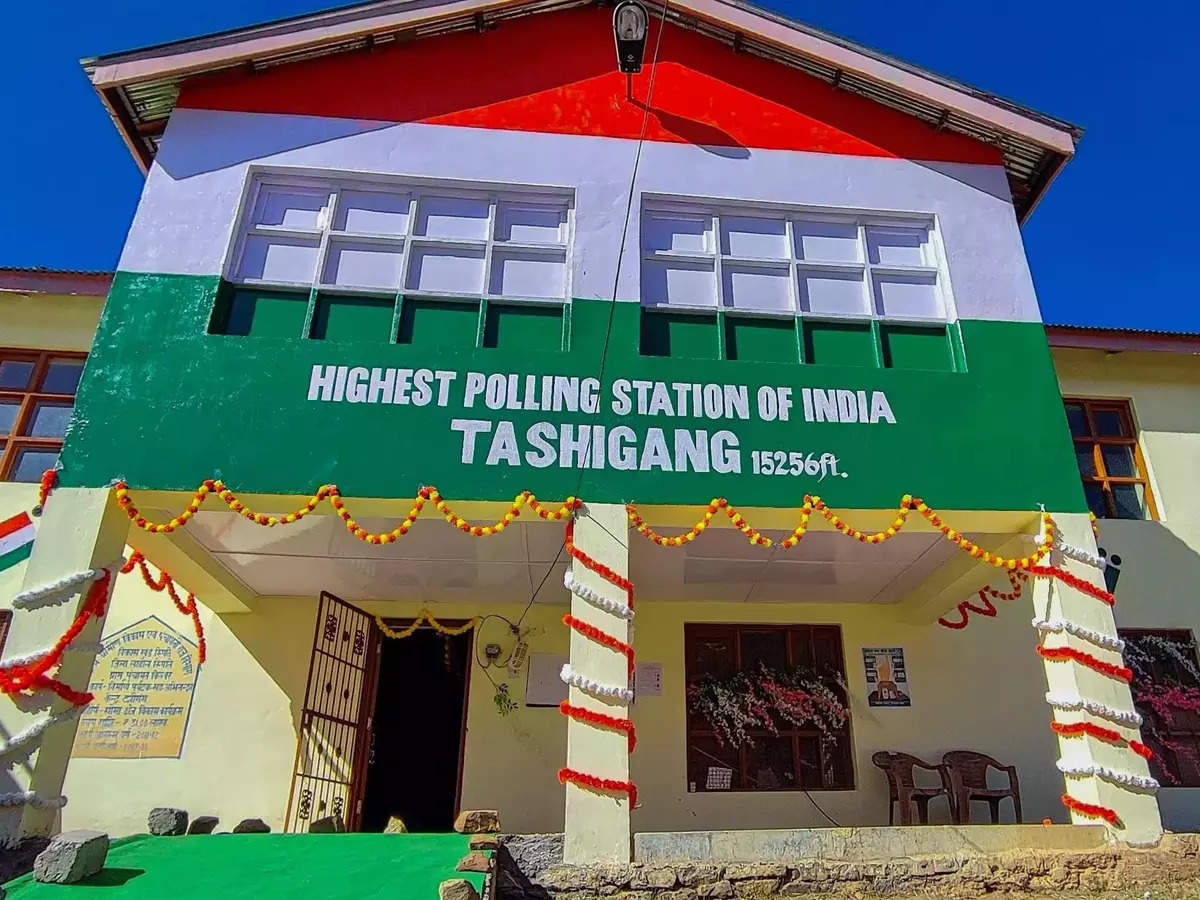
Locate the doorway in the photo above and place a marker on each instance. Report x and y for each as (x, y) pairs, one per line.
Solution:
(414, 762)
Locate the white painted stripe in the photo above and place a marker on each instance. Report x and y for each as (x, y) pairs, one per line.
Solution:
(18, 538)
(192, 193)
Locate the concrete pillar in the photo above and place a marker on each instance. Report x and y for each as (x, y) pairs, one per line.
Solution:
(82, 528)
(597, 825)
(1053, 600)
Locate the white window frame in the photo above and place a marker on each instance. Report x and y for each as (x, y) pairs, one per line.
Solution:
(337, 181)
(863, 219)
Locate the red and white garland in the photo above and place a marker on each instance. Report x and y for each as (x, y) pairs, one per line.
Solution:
(595, 719)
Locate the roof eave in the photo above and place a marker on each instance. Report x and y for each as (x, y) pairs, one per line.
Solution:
(1116, 340)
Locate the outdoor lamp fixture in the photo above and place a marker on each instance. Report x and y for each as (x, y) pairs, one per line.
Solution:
(629, 32)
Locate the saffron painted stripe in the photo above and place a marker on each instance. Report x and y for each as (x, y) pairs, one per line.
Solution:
(182, 221)
(14, 524)
(705, 93)
(12, 557)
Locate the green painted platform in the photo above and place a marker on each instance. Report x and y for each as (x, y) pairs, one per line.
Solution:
(266, 866)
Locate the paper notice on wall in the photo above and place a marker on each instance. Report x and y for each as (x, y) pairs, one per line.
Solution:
(887, 678)
(648, 680)
(143, 683)
(543, 686)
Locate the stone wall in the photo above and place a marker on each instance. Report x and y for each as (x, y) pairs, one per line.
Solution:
(530, 867)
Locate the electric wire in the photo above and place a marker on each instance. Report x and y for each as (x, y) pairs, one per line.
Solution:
(637, 160)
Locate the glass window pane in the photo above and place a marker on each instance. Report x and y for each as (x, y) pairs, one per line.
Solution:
(516, 274)
(712, 766)
(678, 284)
(15, 374)
(1110, 423)
(827, 241)
(1095, 499)
(752, 236)
(711, 656)
(363, 265)
(898, 246)
(769, 765)
(1077, 420)
(291, 207)
(749, 287)
(908, 296)
(1086, 457)
(764, 648)
(49, 419)
(62, 376)
(664, 232)
(1130, 500)
(31, 463)
(531, 222)
(279, 259)
(452, 217)
(372, 212)
(8, 415)
(456, 271)
(1118, 460)
(828, 292)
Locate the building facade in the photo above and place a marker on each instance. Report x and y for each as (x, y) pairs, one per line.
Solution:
(774, 282)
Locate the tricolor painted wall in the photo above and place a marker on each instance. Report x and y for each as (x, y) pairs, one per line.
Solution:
(722, 125)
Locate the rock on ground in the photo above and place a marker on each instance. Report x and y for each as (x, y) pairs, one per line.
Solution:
(457, 889)
(251, 826)
(327, 825)
(71, 857)
(477, 821)
(165, 820)
(395, 825)
(475, 861)
(203, 825)
(484, 842)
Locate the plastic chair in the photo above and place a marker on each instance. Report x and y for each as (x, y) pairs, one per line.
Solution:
(902, 791)
(968, 781)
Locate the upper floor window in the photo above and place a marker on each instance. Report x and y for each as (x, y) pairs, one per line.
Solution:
(1110, 461)
(761, 259)
(37, 397)
(351, 235)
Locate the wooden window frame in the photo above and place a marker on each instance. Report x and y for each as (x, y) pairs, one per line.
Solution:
(6, 618)
(27, 398)
(698, 729)
(1124, 409)
(1165, 759)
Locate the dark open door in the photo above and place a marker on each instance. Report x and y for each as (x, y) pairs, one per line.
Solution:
(333, 749)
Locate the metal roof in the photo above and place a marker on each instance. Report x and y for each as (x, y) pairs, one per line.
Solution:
(54, 281)
(1090, 337)
(141, 87)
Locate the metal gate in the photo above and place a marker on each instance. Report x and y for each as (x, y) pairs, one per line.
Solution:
(332, 752)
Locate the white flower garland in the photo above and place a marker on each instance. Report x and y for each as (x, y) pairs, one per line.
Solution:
(32, 798)
(616, 607)
(1086, 557)
(61, 590)
(25, 742)
(1120, 716)
(590, 686)
(73, 647)
(1128, 779)
(1108, 642)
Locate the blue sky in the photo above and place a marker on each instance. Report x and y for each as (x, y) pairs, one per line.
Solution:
(1107, 245)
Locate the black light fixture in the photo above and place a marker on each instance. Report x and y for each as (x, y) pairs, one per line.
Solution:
(629, 32)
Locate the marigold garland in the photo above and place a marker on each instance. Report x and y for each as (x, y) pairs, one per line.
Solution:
(1074, 581)
(595, 565)
(1079, 729)
(813, 503)
(165, 582)
(600, 720)
(1091, 810)
(1064, 654)
(599, 784)
(47, 483)
(600, 637)
(424, 616)
(1141, 749)
(331, 493)
(965, 608)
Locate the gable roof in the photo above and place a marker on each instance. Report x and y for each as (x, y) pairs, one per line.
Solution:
(140, 87)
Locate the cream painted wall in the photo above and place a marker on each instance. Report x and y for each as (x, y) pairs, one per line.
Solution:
(49, 321)
(1160, 560)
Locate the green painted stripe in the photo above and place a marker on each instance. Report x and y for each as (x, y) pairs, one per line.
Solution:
(165, 404)
(18, 555)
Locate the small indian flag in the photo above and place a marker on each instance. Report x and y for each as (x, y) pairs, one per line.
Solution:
(16, 540)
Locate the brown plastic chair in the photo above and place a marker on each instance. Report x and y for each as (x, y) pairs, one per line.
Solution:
(902, 791)
(968, 781)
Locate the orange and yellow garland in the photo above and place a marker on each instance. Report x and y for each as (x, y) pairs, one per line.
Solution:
(424, 616)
